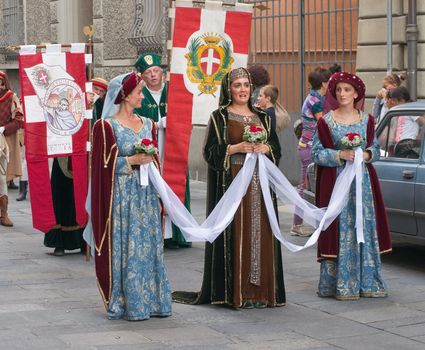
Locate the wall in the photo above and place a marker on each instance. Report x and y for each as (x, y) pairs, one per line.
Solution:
(112, 21)
(372, 44)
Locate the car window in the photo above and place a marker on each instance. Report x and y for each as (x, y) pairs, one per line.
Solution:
(402, 137)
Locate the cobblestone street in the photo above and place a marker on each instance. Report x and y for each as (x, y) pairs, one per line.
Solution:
(52, 303)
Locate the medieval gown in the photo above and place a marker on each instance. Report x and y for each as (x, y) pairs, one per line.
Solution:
(244, 263)
(355, 269)
(139, 288)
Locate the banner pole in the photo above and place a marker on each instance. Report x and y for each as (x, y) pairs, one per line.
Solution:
(89, 31)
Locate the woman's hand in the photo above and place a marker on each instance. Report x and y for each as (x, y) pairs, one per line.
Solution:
(347, 154)
(367, 155)
(139, 159)
(261, 148)
(242, 147)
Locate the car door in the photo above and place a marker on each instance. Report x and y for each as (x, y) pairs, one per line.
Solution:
(420, 196)
(398, 173)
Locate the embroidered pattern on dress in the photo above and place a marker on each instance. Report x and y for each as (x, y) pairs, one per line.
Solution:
(255, 273)
(255, 269)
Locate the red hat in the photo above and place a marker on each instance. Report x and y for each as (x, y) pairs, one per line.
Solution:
(130, 82)
(345, 77)
(99, 82)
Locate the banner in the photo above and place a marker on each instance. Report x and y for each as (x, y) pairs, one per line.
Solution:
(207, 43)
(53, 86)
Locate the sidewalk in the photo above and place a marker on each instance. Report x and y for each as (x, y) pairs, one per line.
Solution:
(52, 303)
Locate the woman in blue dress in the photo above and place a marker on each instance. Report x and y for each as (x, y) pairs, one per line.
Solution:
(348, 269)
(126, 216)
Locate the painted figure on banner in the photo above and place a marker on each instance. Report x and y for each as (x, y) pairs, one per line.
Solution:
(64, 107)
(349, 269)
(154, 107)
(126, 216)
(61, 99)
(243, 266)
(11, 120)
(63, 104)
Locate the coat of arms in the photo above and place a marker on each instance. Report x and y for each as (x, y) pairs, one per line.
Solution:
(208, 60)
(41, 76)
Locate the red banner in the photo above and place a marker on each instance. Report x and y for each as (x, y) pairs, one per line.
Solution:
(207, 43)
(53, 86)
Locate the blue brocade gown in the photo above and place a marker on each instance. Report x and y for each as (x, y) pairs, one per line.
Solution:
(357, 270)
(140, 287)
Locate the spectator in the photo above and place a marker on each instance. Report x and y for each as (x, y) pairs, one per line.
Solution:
(11, 120)
(380, 107)
(259, 77)
(267, 100)
(311, 112)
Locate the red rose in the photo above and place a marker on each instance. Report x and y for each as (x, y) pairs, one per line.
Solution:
(254, 128)
(146, 142)
(351, 136)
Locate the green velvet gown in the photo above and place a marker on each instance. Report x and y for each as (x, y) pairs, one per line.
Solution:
(245, 262)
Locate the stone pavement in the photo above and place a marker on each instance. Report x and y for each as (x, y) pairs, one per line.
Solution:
(52, 303)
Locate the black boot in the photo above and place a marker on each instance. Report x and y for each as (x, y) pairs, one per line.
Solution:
(23, 188)
(11, 185)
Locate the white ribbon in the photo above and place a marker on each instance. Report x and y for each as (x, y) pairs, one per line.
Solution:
(270, 178)
(337, 202)
(359, 165)
(144, 176)
(162, 124)
(222, 214)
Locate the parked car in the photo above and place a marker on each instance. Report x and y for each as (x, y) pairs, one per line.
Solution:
(401, 172)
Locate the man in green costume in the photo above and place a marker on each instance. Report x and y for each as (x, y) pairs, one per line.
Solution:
(154, 106)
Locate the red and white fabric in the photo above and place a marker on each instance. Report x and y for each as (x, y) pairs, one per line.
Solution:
(187, 105)
(46, 78)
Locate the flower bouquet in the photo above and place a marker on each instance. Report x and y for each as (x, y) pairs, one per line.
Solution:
(254, 133)
(351, 141)
(148, 146)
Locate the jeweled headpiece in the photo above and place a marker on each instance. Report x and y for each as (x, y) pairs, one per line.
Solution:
(238, 73)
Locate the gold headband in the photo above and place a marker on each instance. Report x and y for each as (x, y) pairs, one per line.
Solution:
(238, 73)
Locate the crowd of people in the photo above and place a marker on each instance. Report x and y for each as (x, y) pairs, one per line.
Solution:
(243, 266)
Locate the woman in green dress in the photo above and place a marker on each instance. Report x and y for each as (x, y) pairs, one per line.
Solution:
(243, 266)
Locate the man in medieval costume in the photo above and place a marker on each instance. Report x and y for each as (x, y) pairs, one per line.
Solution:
(154, 106)
(11, 119)
(97, 97)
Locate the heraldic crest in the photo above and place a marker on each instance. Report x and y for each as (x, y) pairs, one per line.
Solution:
(208, 60)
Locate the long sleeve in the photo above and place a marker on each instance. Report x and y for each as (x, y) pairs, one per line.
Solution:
(375, 150)
(215, 149)
(17, 120)
(273, 143)
(324, 156)
(123, 167)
